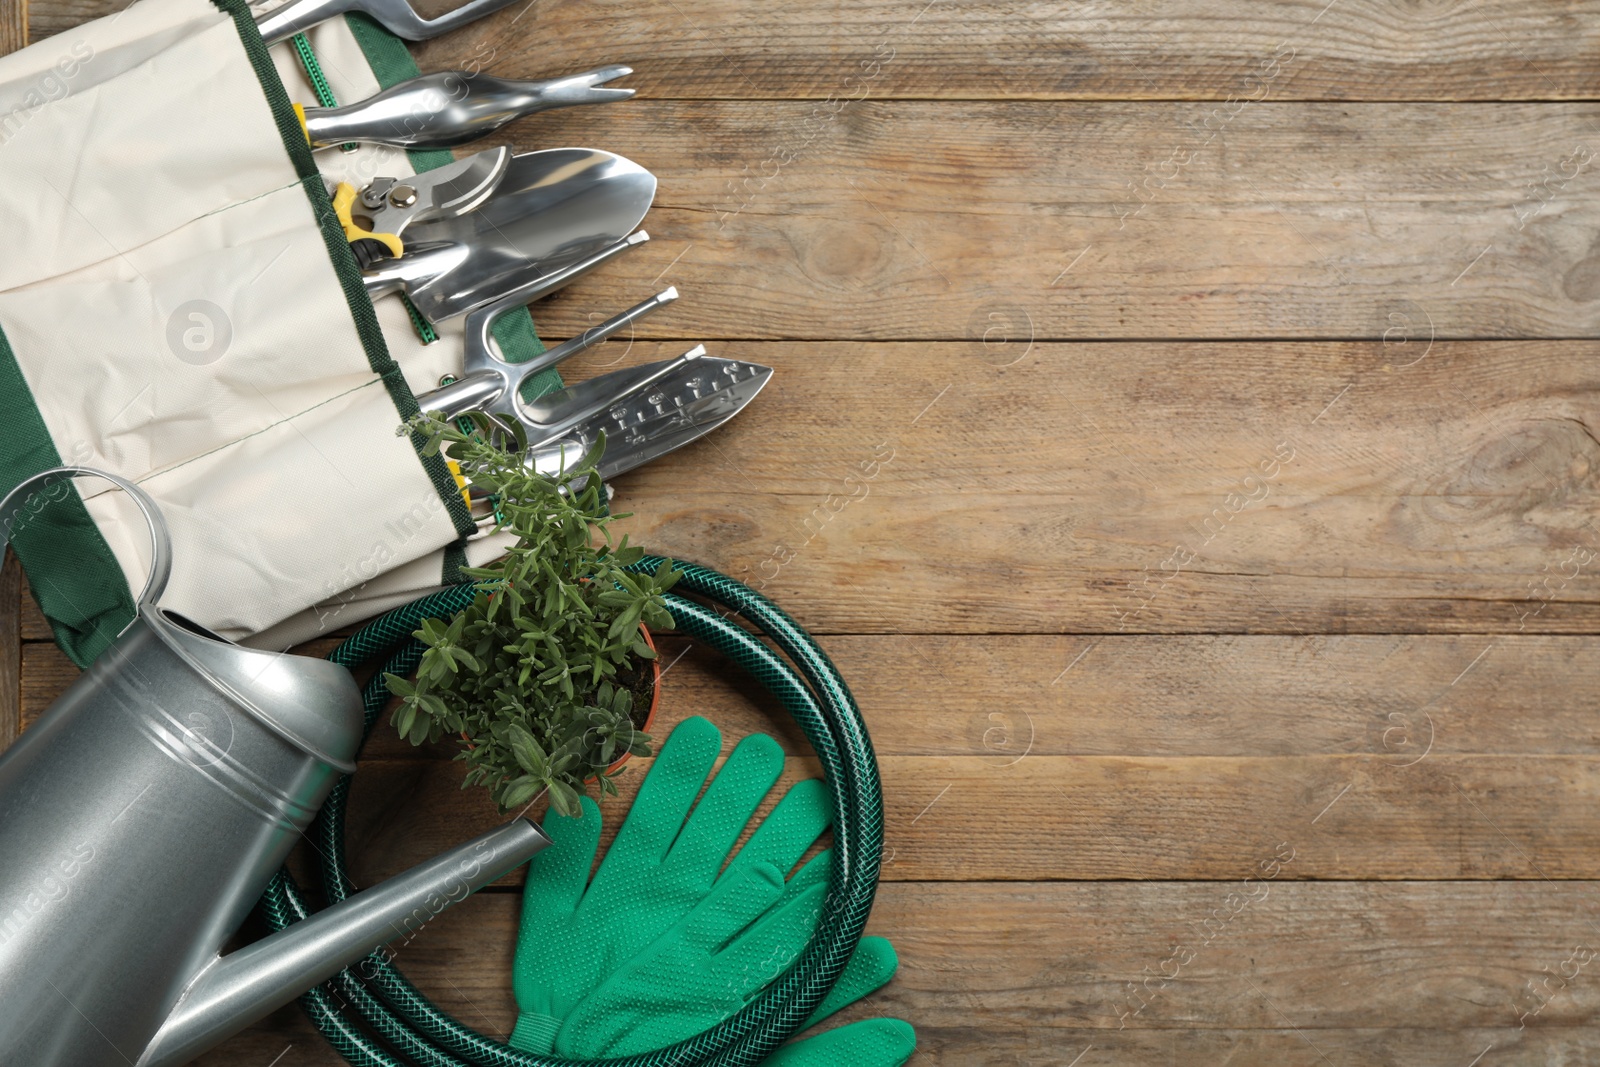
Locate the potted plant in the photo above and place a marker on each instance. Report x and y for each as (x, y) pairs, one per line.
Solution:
(549, 675)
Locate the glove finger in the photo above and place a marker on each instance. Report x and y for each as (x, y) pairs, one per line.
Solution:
(771, 944)
(869, 1043)
(730, 800)
(664, 799)
(672, 990)
(734, 904)
(871, 966)
(815, 872)
(794, 826)
(558, 873)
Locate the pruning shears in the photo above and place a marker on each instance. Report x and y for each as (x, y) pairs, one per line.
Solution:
(374, 217)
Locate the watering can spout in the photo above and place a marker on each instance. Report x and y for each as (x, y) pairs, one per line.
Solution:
(245, 985)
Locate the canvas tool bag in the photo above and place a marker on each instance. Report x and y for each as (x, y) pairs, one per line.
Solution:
(179, 306)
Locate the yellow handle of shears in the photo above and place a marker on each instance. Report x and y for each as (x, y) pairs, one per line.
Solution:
(344, 199)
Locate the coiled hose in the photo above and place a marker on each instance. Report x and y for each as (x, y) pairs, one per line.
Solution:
(399, 1017)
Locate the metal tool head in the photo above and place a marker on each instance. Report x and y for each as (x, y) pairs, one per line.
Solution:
(491, 385)
(553, 204)
(396, 16)
(642, 412)
(553, 209)
(450, 108)
(560, 413)
(567, 91)
(392, 204)
(678, 402)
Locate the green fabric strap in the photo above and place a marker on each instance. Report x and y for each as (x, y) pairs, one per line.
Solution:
(325, 97)
(313, 69)
(455, 557)
(72, 574)
(319, 81)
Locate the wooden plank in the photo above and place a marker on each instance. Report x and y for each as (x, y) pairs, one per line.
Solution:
(955, 49)
(13, 25)
(1036, 973)
(1458, 955)
(1088, 488)
(1151, 757)
(289, 1036)
(1102, 488)
(10, 650)
(1101, 220)
(33, 623)
(1010, 697)
(1096, 818)
(1365, 49)
(1325, 221)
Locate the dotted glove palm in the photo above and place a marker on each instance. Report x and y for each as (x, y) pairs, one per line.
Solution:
(746, 933)
(664, 862)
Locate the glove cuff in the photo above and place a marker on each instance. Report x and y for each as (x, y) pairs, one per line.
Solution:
(535, 1033)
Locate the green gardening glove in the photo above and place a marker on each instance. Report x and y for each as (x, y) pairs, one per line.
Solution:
(746, 933)
(664, 862)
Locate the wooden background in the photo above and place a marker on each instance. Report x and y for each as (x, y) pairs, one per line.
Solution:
(1184, 437)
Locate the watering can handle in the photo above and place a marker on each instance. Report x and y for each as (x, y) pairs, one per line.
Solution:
(12, 508)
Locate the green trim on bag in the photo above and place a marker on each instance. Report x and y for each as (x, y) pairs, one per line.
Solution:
(319, 81)
(391, 62)
(514, 332)
(343, 259)
(455, 557)
(319, 85)
(72, 574)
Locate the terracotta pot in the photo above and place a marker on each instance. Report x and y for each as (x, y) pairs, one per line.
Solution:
(655, 693)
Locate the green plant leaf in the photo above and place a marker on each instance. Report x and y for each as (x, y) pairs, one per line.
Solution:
(520, 792)
(404, 716)
(526, 669)
(419, 731)
(627, 622)
(564, 799)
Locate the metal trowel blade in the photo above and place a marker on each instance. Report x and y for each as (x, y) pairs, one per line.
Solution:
(677, 410)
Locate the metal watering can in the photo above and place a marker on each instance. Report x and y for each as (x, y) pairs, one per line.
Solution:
(142, 816)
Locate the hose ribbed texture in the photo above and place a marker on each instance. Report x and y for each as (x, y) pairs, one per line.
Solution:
(399, 1026)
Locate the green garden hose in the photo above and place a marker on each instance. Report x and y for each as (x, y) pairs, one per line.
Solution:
(374, 1017)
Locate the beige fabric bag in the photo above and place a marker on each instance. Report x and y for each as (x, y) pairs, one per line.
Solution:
(177, 306)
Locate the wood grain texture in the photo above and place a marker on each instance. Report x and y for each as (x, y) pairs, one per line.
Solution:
(1037, 973)
(13, 25)
(955, 49)
(1008, 697)
(1157, 444)
(955, 818)
(10, 649)
(1102, 220)
(1356, 49)
(1147, 487)
(1113, 488)
(1378, 757)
